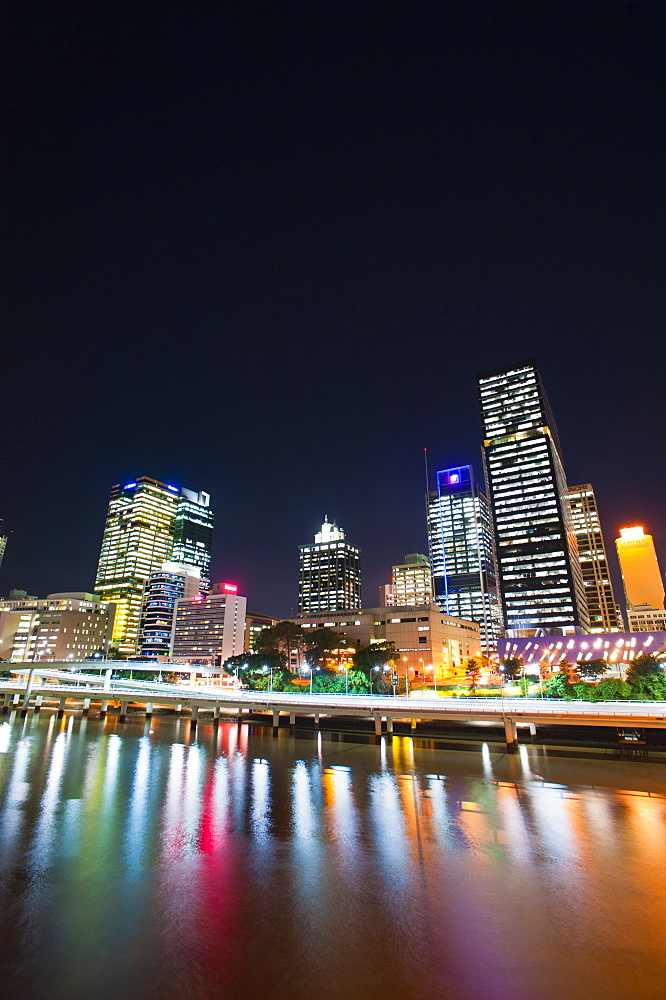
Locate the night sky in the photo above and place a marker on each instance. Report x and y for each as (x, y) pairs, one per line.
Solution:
(263, 250)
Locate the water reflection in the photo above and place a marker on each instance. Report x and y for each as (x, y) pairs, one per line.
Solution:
(229, 863)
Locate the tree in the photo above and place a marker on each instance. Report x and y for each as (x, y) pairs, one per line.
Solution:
(472, 674)
(512, 667)
(591, 668)
(611, 689)
(645, 677)
(377, 654)
(583, 691)
(558, 686)
(115, 654)
(323, 646)
(281, 639)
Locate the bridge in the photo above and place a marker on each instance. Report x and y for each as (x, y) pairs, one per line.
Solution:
(63, 682)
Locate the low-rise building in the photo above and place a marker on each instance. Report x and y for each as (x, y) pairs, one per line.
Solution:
(70, 626)
(643, 618)
(429, 644)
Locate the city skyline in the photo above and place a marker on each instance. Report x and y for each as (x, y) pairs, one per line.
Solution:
(247, 274)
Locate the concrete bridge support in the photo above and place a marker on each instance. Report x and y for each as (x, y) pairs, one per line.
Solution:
(179, 709)
(292, 718)
(28, 691)
(316, 719)
(61, 708)
(216, 715)
(103, 709)
(378, 725)
(86, 705)
(149, 709)
(123, 711)
(5, 703)
(389, 725)
(276, 718)
(532, 729)
(38, 702)
(510, 734)
(194, 717)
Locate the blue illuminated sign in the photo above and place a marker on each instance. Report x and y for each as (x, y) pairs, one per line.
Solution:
(130, 485)
(174, 488)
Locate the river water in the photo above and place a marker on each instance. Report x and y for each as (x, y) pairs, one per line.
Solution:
(139, 860)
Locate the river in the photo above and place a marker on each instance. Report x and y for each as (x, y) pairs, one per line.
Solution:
(144, 861)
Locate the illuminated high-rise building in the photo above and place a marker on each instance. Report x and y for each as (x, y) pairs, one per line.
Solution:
(412, 581)
(641, 576)
(540, 578)
(139, 535)
(193, 533)
(3, 542)
(462, 554)
(601, 606)
(171, 582)
(330, 572)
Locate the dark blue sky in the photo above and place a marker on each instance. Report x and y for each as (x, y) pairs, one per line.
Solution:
(262, 250)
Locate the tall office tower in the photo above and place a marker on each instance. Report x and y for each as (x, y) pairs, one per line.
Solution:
(193, 533)
(460, 539)
(601, 605)
(139, 535)
(165, 586)
(541, 581)
(412, 581)
(641, 576)
(3, 542)
(209, 628)
(330, 572)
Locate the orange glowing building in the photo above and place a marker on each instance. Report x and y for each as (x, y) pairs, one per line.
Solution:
(641, 576)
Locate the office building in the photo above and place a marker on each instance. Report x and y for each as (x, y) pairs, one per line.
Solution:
(386, 595)
(643, 618)
(601, 606)
(330, 572)
(428, 643)
(641, 576)
(209, 628)
(460, 539)
(193, 533)
(541, 582)
(254, 625)
(3, 542)
(165, 586)
(412, 581)
(59, 627)
(139, 536)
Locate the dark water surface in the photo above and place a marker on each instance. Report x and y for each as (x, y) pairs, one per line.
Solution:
(140, 861)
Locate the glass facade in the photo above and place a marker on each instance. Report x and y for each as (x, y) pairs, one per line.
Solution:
(193, 533)
(164, 588)
(541, 582)
(601, 606)
(462, 553)
(330, 573)
(140, 535)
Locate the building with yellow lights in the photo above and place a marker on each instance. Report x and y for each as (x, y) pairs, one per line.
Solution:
(641, 576)
(146, 523)
(429, 643)
(603, 612)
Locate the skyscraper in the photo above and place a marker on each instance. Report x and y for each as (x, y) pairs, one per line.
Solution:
(3, 542)
(165, 586)
(540, 577)
(462, 553)
(330, 572)
(641, 576)
(601, 606)
(139, 536)
(193, 533)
